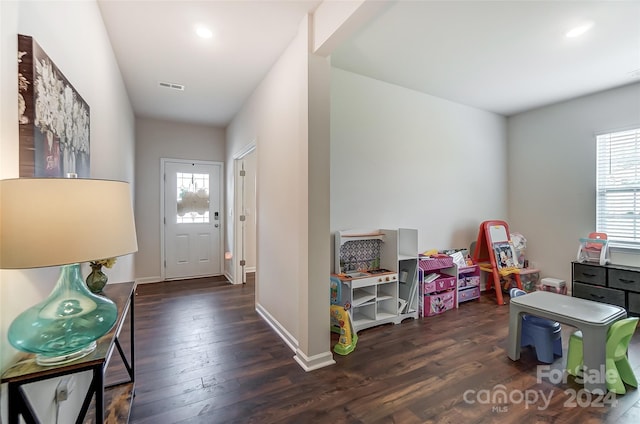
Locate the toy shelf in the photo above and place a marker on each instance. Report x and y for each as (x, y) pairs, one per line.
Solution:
(362, 296)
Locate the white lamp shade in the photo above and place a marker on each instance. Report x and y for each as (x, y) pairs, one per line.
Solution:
(59, 221)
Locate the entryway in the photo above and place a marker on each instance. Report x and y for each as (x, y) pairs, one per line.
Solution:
(192, 218)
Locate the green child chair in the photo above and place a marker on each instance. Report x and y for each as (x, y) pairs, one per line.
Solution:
(617, 368)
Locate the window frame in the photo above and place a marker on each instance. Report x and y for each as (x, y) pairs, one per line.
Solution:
(620, 188)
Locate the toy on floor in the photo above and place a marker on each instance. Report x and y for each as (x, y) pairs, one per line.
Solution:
(341, 321)
(335, 290)
(543, 334)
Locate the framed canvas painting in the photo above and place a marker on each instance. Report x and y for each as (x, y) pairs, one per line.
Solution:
(53, 118)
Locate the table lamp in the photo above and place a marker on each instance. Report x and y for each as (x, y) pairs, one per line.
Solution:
(59, 221)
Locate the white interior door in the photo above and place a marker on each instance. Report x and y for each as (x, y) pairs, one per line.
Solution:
(242, 177)
(245, 220)
(192, 219)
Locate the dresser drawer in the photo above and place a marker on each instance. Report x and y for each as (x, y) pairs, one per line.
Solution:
(590, 274)
(599, 294)
(634, 303)
(623, 279)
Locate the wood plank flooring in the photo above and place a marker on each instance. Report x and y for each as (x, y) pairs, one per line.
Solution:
(205, 356)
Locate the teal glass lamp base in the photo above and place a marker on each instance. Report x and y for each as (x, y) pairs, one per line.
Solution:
(65, 326)
(48, 361)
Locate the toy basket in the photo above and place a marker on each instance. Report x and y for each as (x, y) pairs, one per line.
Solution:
(428, 263)
(442, 283)
(437, 303)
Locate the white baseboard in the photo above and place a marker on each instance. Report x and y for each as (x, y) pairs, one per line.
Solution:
(307, 363)
(147, 280)
(228, 277)
(249, 269)
(278, 328)
(320, 360)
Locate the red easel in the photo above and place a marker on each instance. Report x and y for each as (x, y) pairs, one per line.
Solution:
(492, 235)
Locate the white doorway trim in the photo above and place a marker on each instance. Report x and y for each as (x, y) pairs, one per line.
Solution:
(163, 162)
(240, 271)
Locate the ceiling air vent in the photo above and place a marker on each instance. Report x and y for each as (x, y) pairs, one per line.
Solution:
(171, 85)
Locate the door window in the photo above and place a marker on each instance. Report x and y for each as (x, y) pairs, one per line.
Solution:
(193, 198)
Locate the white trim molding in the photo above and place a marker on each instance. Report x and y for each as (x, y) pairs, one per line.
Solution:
(320, 360)
(279, 329)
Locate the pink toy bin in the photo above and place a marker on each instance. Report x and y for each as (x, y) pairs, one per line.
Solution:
(437, 303)
(439, 284)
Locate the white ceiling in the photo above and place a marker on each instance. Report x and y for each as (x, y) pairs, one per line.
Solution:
(501, 56)
(155, 40)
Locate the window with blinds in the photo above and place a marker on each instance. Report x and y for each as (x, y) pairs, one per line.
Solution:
(618, 187)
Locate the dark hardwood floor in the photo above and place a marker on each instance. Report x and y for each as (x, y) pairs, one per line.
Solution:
(205, 356)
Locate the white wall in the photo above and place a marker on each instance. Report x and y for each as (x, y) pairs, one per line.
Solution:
(552, 171)
(156, 139)
(74, 37)
(276, 118)
(404, 159)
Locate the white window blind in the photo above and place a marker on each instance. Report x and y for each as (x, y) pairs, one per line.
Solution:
(618, 187)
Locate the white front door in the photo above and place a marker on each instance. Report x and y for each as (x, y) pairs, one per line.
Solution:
(192, 218)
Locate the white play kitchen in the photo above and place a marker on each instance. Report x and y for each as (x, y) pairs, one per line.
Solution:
(375, 275)
(380, 278)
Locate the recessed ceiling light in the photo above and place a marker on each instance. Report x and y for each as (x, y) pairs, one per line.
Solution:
(203, 32)
(579, 30)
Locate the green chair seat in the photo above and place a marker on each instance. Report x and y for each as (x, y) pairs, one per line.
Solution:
(617, 368)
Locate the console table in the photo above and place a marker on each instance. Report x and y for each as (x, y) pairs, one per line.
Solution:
(26, 371)
(592, 318)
